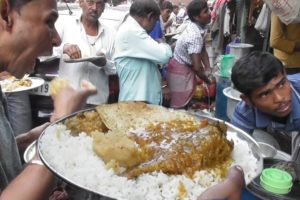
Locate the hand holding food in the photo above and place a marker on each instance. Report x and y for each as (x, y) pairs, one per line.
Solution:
(67, 99)
(72, 50)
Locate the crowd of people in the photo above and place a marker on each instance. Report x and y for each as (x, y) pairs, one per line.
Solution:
(137, 52)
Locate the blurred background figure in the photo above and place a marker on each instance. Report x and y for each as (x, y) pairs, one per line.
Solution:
(166, 9)
(171, 24)
(190, 59)
(181, 13)
(285, 41)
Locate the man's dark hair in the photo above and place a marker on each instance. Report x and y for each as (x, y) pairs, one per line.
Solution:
(255, 70)
(195, 7)
(17, 4)
(165, 5)
(175, 6)
(141, 8)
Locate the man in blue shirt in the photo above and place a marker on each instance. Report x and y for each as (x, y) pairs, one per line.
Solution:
(270, 98)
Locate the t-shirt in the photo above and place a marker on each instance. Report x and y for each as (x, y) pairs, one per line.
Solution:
(10, 162)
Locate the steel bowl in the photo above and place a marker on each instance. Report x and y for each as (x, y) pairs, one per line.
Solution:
(267, 150)
(232, 130)
(240, 49)
(233, 98)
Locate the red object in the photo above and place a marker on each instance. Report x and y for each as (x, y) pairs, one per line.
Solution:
(211, 92)
(202, 106)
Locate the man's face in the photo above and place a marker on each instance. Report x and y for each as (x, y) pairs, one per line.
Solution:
(149, 23)
(175, 11)
(32, 34)
(274, 98)
(165, 14)
(204, 17)
(92, 9)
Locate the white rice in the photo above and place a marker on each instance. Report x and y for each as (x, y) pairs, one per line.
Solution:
(74, 158)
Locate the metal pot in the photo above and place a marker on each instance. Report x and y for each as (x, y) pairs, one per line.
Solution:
(233, 98)
(240, 49)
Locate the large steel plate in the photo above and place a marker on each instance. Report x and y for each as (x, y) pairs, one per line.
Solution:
(233, 132)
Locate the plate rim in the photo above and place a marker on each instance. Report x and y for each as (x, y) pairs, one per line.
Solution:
(88, 59)
(30, 147)
(24, 89)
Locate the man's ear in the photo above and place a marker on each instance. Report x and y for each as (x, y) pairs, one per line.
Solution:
(80, 3)
(5, 19)
(196, 18)
(149, 16)
(246, 99)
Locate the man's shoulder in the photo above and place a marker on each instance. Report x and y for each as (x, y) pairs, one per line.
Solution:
(244, 116)
(294, 78)
(242, 106)
(295, 81)
(107, 28)
(244, 110)
(192, 31)
(127, 28)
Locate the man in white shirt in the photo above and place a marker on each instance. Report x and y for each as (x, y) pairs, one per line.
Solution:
(83, 37)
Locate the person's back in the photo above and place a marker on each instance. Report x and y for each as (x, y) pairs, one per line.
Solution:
(137, 55)
(285, 40)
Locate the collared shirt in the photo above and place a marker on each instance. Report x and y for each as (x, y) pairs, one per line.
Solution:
(10, 163)
(73, 32)
(249, 118)
(189, 42)
(136, 58)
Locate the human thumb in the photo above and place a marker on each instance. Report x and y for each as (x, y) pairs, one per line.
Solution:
(236, 175)
(87, 88)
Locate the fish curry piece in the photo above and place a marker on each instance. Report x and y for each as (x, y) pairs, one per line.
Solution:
(181, 147)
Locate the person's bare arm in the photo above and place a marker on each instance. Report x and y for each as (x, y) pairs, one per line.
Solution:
(168, 24)
(173, 45)
(34, 183)
(35, 180)
(25, 139)
(198, 67)
(69, 100)
(250, 14)
(205, 59)
(230, 188)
